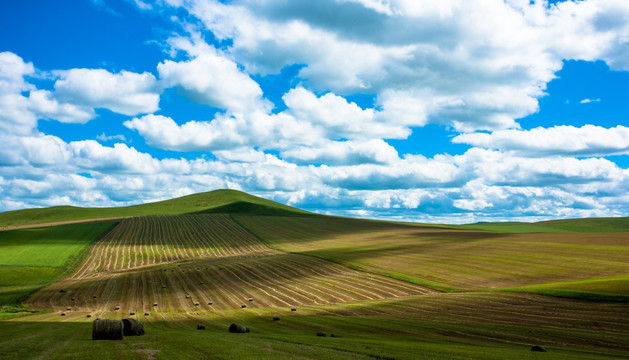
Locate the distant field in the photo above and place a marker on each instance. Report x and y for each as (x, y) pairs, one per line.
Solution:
(440, 326)
(455, 259)
(31, 258)
(594, 225)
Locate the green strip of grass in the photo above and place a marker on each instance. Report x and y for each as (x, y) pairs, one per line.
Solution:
(607, 288)
(33, 258)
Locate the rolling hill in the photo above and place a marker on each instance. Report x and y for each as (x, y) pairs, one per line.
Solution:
(391, 290)
(218, 201)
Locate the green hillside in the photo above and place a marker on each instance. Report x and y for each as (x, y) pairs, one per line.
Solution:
(218, 201)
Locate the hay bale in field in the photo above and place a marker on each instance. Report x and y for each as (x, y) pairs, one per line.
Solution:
(202, 283)
(163, 286)
(62, 291)
(117, 308)
(94, 297)
(200, 327)
(154, 304)
(63, 314)
(187, 296)
(209, 303)
(237, 328)
(68, 308)
(131, 313)
(132, 327)
(250, 299)
(89, 315)
(196, 304)
(276, 318)
(243, 306)
(293, 309)
(538, 348)
(335, 335)
(320, 333)
(107, 330)
(146, 314)
(73, 299)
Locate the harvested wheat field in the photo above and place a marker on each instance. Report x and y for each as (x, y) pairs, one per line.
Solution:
(270, 280)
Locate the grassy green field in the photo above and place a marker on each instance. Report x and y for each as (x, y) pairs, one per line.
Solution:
(391, 290)
(32, 258)
(441, 326)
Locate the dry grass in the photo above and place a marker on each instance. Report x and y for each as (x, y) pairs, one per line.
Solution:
(446, 257)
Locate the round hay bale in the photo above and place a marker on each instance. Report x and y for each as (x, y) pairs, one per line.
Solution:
(131, 313)
(68, 308)
(250, 299)
(89, 315)
(73, 299)
(117, 308)
(276, 318)
(243, 306)
(94, 297)
(63, 314)
(320, 333)
(209, 303)
(62, 291)
(132, 327)
(187, 296)
(335, 335)
(200, 327)
(154, 304)
(146, 314)
(293, 309)
(107, 330)
(163, 286)
(538, 348)
(202, 283)
(237, 328)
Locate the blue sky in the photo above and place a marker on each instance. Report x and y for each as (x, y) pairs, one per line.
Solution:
(449, 111)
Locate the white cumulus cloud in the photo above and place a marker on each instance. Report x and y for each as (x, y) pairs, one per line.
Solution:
(125, 92)
(588, 140)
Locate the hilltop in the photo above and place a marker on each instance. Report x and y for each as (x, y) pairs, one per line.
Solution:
(217, 201)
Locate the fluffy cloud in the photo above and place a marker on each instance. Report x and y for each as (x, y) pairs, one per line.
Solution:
(308, 121)
(126, 92)
(23, 104)
(468, 64)
(213, 79)
(344, 153)
(588, 140)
